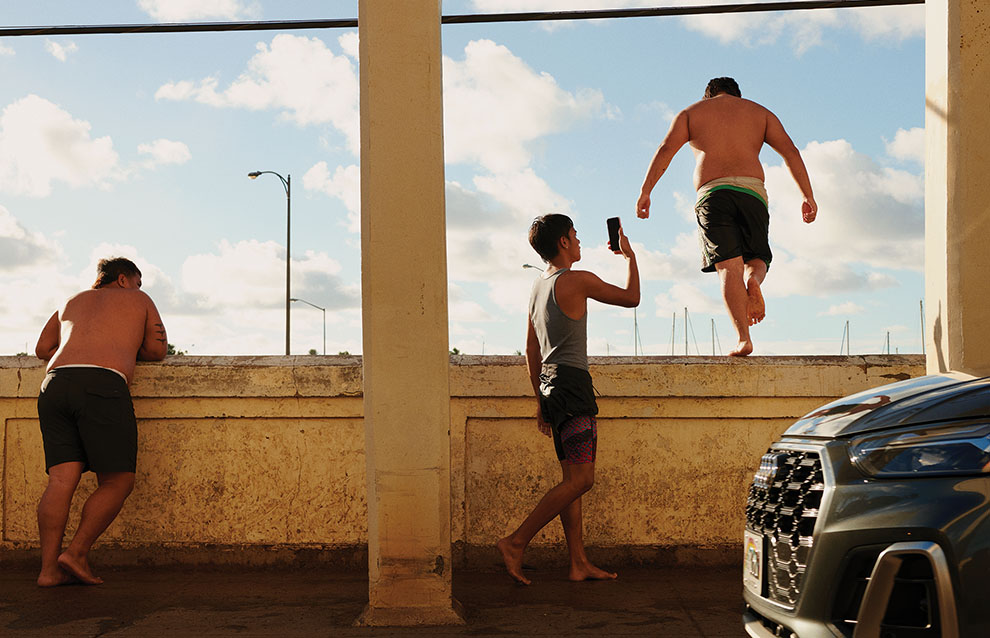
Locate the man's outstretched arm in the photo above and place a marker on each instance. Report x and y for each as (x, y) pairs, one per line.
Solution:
(780, 141)
(677, 136)
(592, 287)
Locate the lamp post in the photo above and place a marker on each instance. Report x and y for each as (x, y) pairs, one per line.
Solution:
(525, 266)
(287, 185)
(324, 321)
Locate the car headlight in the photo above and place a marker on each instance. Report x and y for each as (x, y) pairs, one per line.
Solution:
(924, 451)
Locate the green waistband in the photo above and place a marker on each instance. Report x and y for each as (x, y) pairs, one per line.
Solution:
(738, 189)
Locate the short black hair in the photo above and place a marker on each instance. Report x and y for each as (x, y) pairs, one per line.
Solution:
(108, 270)
(722, 85)
(545, 234)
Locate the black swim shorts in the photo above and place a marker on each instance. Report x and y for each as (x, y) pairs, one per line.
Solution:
(732, 223)
(86, 415)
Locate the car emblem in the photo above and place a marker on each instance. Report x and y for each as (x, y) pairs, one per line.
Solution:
(769, 466)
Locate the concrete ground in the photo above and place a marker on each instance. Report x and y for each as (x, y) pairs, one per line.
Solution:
(134, 602)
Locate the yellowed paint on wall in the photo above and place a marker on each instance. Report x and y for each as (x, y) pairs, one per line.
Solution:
(269, 451)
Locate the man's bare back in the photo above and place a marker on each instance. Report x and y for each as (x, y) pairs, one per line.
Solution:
(110, 327)
(726, 134)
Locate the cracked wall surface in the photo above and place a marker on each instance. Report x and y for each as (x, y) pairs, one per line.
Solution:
(241, 452)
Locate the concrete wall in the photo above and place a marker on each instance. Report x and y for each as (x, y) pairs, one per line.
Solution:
(260, 459)
(957, 216)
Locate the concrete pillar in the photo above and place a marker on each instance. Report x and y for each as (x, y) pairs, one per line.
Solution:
(404, 302)
(957, 186)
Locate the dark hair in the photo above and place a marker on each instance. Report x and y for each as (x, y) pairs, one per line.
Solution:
(722, 85)
(545, 234)
(108, 270)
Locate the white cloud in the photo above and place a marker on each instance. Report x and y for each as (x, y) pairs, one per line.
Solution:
(164, 151)
(183, 10)
(843, 309)
(61, 50)
(496, 108)
(696, 300)
(32, 283)
(344, 184)
(299, 76)
(6, 50)
(664, 110)
(805, 29)
(495, 105)
(811, 277)
(868, 215)
(461, 309)
(908, 145)
(251, 274)
(230, 301)
(21, 248)
(523, 191)
(349, 42)
(40, 143)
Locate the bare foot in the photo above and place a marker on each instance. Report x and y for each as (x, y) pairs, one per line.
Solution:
(55, 577)
(743, 348)
(757, 306)
(78, 568)
(589, 572)
(513, 560)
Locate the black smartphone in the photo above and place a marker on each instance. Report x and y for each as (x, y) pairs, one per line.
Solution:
(613, 233)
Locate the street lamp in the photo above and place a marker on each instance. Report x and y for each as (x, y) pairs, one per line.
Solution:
(531, 266)
(287, 185)
(324, 321)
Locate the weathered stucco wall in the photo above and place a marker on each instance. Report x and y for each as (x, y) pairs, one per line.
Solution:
(262, 458)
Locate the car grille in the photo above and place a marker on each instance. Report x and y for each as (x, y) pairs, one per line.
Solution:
(783, 506)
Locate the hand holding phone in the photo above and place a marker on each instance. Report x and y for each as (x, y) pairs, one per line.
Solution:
(613, 233)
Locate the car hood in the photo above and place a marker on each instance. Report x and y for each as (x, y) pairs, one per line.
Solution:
(928, 399)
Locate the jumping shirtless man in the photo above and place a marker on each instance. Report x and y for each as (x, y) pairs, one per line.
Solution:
(87, 420)
(726, 134)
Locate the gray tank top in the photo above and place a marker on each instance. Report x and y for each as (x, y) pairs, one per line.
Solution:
(562, 340)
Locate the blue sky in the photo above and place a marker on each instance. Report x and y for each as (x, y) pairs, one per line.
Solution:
(140, 145)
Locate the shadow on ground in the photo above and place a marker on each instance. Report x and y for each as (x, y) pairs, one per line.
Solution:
(285, 603)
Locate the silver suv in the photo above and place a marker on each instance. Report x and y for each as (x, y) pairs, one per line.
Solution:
(870, 517)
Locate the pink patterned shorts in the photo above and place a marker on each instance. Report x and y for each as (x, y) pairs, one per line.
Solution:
(577, 440)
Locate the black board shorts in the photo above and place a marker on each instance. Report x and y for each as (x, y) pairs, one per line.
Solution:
(567, 393)
(86, 415)
(732, 223)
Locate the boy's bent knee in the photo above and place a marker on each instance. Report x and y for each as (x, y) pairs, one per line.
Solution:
(581, 480)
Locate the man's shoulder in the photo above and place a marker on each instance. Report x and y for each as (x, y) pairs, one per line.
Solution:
(116, 296)
(578, 276)
(754, 106)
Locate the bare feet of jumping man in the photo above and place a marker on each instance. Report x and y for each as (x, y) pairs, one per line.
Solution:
(757, 307)
(78, 567)
(743, 348)
(512, 557)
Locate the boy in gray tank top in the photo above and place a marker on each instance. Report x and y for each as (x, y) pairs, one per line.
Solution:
(557, 357)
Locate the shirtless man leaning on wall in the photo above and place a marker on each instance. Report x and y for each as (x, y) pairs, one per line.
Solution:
(87, 420)
(726, 133)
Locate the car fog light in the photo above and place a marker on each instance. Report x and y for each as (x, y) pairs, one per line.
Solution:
(924, 451)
